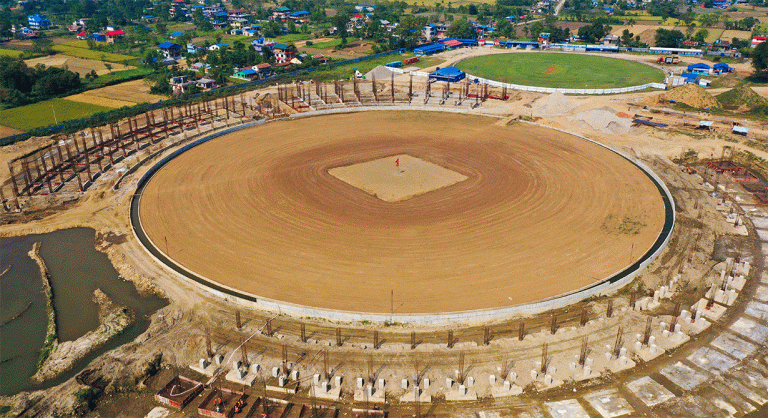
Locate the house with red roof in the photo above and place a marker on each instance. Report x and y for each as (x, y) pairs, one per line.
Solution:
(114, 36)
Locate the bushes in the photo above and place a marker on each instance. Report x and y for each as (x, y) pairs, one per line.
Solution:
(85, 400)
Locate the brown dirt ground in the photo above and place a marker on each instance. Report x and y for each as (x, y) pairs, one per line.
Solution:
(78, 65)
(263, 215)
(101, 101)
(6, 131)
(136, 91)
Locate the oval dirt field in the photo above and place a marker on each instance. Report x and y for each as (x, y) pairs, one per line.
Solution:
(516, 213)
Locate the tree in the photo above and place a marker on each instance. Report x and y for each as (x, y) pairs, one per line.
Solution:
(340, 21)
(668, 38)
(461, 28)
(760, 59)
(700, 36)
(161, 28)
(626, 37)
(42, 45)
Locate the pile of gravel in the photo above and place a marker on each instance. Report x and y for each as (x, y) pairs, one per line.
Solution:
(553, 105)
(603, 120)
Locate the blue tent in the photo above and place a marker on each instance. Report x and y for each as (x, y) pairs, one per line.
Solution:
(698, 66)
(722, 67)
(449, 74)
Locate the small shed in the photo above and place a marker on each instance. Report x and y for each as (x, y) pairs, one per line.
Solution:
(706, 124)
(740, 130)
(699, 68)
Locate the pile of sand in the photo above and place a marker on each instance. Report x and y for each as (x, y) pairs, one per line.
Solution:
(379, 73)
(603, 120)
(741, 98)
(553, 105)
(691, 94)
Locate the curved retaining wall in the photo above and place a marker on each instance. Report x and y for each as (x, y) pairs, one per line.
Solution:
(610, 284)
(546, 89)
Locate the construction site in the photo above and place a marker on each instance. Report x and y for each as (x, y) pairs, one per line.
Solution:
(552, 262)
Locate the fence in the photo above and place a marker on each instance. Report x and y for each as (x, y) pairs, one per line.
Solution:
(92, 121)
(535, 89)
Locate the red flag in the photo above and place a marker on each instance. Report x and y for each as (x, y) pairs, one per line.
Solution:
(397, 162)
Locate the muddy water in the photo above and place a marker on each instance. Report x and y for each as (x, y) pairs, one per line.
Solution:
(77, 269)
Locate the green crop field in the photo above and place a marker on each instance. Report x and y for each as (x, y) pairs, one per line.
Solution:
(576, 71)
(77, 52)
(10, 52)
(38, 115)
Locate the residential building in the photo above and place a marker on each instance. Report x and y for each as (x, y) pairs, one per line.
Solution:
(38, 22)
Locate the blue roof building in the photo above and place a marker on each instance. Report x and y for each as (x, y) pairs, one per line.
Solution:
(170, 50)
(429, 49)
(300, 13)
(174, 35)
(38, 22)
(449, 74)
(722, 67)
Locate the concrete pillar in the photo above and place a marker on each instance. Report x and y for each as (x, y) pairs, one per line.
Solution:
(294, 375)
(382, 383)
(425, 383)
(656, 295)
(203, 363)
(470, 381)
(219, 359)
(360, 382)
(507, 385)
(587, 370)
(337, 381)
(404, 384)
(448, 382)
(512, 377)
(588, 361)
(281, 381)
(492, 379)
(665, 333)
(534, 374)
(548, 379)
(677, 328)
(662, 325)
(462, 390)
(316, 378)
(651, 340)
(638, 346)
(275, 371)
(255, 368)
(236, 364)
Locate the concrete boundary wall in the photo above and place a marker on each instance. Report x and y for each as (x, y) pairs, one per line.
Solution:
(606, 286)
(535, 89)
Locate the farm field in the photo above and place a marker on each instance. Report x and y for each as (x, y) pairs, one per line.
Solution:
(119, 95)
(78, 65)
(10, 52)
(561, 70)
(77, 52)
(38, 115)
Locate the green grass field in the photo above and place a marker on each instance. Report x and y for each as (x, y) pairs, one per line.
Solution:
(330, 44)
(38, 115)
(10, 52)
(77, 52)
(561, 70)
